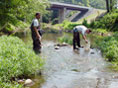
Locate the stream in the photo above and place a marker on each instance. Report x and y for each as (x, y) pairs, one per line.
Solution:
(65, 68)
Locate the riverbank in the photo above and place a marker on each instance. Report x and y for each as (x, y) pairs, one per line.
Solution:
(65, 68)
(17, 61)
(107, 44)
(109, 47)
(100, 35)
(10, 29)
(73, 65)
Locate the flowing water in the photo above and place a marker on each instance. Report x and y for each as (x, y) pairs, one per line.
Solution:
(65, 68)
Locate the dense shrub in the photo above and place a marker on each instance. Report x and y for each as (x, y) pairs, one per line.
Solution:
(12, 12)
(69, 25)
(85, 23)
(9, 28)
(55, 21)
(100, 30)
(109, 22)
(22, 25)
(109, 47)
(93, 24)
(16, 59)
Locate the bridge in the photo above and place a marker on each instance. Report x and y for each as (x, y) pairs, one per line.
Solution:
(64, 8)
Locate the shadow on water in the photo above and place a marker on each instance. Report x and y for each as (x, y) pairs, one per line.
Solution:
(65, 68)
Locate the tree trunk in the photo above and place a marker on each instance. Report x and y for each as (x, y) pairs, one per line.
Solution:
(107, 5)
(111, 5)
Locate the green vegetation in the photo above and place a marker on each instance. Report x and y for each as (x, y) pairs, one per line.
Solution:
(109, 22)
(16, 60)
(107, 44)
(10, 28)
(14, 12)
(65, 26)
(109, 48)
(111, 5)
(99, 30)
(68, 25)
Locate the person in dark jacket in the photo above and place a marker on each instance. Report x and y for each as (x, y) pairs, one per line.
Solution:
(36, 33)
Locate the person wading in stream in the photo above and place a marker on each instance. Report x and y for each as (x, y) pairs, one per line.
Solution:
(36, 33)
(76, 35)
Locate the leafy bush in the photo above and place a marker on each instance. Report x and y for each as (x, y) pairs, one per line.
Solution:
(9, 28)
(99, 30)
(109, 22)
(17, 10)
(109, 47)
(16, 59)
(93, 24)
(22, 25)
(85, 23)
(69, 25)
(55, 21)
(9, 85)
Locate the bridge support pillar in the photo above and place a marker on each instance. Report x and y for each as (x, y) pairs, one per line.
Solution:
(62, 15)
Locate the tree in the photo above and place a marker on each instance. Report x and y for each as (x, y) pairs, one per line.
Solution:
(13, 10)
(110, 4)
(107, 5)
(86, 2)
(101, 4)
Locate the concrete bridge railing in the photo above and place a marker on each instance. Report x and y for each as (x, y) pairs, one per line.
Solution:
(63, 9)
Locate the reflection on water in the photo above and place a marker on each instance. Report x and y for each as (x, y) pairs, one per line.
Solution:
(45, 37)
(65, 68)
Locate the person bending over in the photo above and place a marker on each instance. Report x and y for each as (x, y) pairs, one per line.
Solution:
(76, 35)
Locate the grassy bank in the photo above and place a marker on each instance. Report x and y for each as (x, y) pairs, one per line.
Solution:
(107, 44)
(109, 47)
(9, 28)
(108, 22)
(16, 60)
(65, 26)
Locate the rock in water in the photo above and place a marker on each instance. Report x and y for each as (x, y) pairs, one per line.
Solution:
(61, 45)
(64, 44)
(92, 53)
(28, 82)
(56, 47)
(21, 81)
